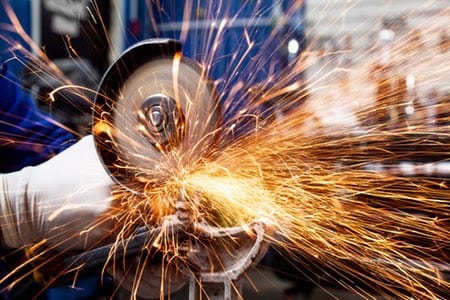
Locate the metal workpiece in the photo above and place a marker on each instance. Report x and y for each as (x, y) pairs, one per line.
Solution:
(221, 257)
(216, 258)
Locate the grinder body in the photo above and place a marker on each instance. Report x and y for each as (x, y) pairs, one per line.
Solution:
(155, 112)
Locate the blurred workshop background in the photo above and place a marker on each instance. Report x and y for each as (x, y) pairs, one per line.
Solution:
(334, 38)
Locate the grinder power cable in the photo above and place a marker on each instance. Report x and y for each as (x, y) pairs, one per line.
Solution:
(157, 110)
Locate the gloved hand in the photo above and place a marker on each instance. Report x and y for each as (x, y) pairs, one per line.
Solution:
(64, 201)
(149, 278)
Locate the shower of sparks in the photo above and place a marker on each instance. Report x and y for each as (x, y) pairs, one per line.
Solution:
(334, 173)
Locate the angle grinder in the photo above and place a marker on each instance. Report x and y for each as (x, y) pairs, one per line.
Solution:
(155, 112)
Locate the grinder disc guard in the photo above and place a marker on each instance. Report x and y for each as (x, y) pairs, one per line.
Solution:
(155, 113)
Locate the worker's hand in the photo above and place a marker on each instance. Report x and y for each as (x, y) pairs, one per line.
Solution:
(64, 201)
(149, 279)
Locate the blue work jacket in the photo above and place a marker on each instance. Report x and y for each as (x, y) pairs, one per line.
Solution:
(27, 136)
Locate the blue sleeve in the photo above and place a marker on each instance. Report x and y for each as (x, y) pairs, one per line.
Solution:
(27, 136)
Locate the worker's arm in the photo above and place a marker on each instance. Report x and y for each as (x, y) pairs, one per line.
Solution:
(64, 201)
(27, 136)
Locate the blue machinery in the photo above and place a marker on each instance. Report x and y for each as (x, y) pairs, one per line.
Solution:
(276, 29)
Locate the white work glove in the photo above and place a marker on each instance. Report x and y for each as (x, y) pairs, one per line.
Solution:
(64, 201)
(147, 279)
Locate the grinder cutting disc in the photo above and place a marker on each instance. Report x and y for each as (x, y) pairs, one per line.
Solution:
(155, 113)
